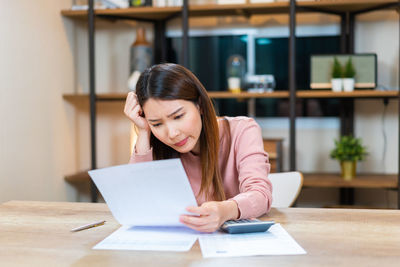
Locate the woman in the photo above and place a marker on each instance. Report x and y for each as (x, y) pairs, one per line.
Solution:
(224, 158)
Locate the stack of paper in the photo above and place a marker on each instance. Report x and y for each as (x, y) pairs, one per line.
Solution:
(150, 238)
(276, 241)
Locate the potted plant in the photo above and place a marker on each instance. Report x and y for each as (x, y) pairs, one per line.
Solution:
(348, 150)
(348, 76)
(336, 80)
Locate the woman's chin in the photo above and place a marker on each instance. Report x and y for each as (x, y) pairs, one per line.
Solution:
(184, 149)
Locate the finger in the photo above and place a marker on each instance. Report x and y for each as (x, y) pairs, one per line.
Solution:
(197, 210)
(194, 227)
(132, 95)
(130, 102)
(136, 110)
(204, 229)
(135, 113)
(207, 229)
(193, 220)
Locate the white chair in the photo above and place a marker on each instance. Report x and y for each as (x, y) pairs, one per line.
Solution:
(286, 187)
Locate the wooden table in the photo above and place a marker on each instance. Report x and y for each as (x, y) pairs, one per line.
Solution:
(38, 234)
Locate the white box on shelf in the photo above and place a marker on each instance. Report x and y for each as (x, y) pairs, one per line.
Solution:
(261, 1)
(116, 3)
(202, 2)
(174, 2)
(230, 2)
(298, 0)
(159, 3)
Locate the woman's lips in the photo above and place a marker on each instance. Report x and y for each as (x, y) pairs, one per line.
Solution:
(183, 142)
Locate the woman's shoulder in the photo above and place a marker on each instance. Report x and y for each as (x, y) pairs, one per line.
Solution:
(239, 121)
(239, 124)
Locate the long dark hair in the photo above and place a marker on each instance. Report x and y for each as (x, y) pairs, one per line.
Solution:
(170, 82)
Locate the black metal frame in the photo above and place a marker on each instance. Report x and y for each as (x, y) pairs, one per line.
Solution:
(398, 151)
(292, 85)
(347, 46)
(92, 87)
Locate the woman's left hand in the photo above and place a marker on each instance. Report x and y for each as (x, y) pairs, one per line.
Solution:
(212, 215)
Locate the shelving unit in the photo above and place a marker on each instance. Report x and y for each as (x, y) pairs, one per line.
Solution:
(347, 10)
(246, 95)
(165, 13)
(382, 181)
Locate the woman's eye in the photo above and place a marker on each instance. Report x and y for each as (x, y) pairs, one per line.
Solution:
(156, 125)
(179, 116)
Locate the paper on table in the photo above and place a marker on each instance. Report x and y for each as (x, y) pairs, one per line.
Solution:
(150, 238)
(146, 194)
(276, 241)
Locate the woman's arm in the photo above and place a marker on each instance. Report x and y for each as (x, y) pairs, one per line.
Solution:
(253, 167)
(142, 151)
(133, 111)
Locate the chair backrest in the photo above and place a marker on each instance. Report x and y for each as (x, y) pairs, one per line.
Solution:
(286, 187)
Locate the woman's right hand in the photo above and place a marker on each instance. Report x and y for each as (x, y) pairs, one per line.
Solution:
(134, 112)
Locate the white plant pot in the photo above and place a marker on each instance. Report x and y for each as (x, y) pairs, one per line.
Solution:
(348, 84)
(336, 84)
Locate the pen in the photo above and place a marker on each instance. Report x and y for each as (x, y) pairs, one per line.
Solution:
(87, 226)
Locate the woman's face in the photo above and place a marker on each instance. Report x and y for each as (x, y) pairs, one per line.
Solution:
(176, 123)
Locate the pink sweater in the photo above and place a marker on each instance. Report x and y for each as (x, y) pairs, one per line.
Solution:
(245, 176)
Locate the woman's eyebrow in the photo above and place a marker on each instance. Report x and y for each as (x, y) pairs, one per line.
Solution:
(170, 115)
(176, 111)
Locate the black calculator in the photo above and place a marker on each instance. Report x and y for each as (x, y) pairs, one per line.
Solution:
(246, 226)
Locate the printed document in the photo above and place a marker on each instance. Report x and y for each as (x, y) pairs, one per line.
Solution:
(146, 194)
(276, 241)
(151, 194)
(155, 238)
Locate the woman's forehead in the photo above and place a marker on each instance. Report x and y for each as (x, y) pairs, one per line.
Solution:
(157, 107)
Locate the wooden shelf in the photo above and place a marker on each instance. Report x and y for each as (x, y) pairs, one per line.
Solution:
(151, 13)
(78, 178)
(383, 181)
(226, 94)
(378, 181)
(245, 95)
(99, 97)
(317, 93)
(161, 13)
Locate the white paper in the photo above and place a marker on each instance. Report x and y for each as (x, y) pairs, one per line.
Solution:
(152, 193)
(150, 238)
(276, 241)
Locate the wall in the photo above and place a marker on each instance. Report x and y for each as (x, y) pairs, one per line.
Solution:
(36, 126)
(374, 122)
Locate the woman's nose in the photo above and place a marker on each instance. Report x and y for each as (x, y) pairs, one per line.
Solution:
(172, 132)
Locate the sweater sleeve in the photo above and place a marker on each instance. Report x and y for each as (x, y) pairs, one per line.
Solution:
(136, 158)
(253, 166)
